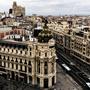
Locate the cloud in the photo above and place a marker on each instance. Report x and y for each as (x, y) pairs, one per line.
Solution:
(47, 7)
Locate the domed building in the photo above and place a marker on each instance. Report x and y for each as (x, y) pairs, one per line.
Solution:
(46, 59)
(32, 61)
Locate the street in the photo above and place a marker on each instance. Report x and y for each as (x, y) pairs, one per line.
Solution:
(65, 82)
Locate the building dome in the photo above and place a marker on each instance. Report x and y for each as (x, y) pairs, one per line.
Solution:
(44, 36)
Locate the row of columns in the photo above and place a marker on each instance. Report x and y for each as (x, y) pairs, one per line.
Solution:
(17, 75)
(49, 81)
(49, 68)
(48, 76)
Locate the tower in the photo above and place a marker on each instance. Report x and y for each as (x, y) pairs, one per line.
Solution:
(14, 5)
(45, 59)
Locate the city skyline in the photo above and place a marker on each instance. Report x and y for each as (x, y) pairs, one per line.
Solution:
(50, 7)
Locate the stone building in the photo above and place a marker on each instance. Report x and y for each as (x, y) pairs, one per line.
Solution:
(73, 41)
(8, 30)
(29, 61)
(80, 44)
(17, 11)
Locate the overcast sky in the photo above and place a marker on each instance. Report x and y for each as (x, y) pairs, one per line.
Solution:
(50, 7)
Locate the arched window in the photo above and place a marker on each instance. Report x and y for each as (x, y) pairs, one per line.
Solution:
(20, 60)
(29, 63)
(25, 62)
(45, 54)
(30, 49)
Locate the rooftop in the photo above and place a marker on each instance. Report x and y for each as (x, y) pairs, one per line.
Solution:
(5, 28)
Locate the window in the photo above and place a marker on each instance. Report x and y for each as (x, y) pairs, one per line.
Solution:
(45, 68)
(38, 80)
(12, 50)
(25, 69)
(52, 67)
(25, 62)
(45, 54)
(30, 49)
(4, 49)
(83, 52)
(16, 66)
(51, 53)
(20, 67)
(29, 63)
(8, 58)
(8, 64)
(53, 79)
(30, 53)
(8, 50)
(16, 60)
(30, 69)
(36, 47)
(0, 56)
(30, 78)
(12, 65)
(3, 64)
(39, 54)
(4, 58)
(38, 66)
(46, 83)
(20, 60)
(20, 52)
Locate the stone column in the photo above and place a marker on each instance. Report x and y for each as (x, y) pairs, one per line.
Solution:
(50, 82)
(10, 75)
(27, 79)
(40, 68)
(33, 73)
(36, 67)
(14, 66)
(10, 65)
(33, 69)
(49, 68)
(43, 68)
(18, 64)
(55, 67)
(18, 67)
(23, 68)
(55, 79)
(33, 80)
(6, 65)
(41, 82)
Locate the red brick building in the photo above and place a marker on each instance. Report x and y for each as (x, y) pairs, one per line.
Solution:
(9, 31)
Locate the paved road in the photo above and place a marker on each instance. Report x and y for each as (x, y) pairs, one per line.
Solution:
(65, 82)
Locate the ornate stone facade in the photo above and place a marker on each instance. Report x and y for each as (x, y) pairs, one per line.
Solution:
(29, 61)
(74, 42)
(80, 44)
